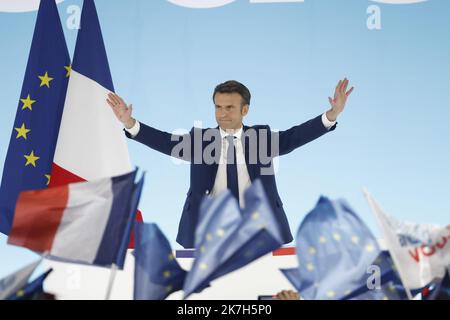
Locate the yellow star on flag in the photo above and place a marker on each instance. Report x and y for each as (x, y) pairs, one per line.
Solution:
(27, 103)
(68, 69)
(20, 293)
(48, 179)
(31, 159)
(255, 215)
(45, 80)
(22, 131)
(337, 236)
(355, 239)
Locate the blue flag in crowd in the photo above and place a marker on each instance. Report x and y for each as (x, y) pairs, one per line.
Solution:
(156, 271)
(228, 239)
(33, 290)
(131, 218)
(391, 287)
(388, 288)
(334, 250)
(35, 130)
(383, 282)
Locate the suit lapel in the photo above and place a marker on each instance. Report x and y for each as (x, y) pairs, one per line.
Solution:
(215, 166)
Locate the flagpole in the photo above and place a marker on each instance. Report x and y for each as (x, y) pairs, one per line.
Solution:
(394, 258)
(112, 276)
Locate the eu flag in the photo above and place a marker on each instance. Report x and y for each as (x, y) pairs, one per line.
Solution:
(35, 130)
(334, 250)
(389, 286)
(157, 274)
(227, 239)
(17, 280)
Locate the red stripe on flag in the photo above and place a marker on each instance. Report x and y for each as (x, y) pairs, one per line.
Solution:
(138, 219)
(37, 218)
(61, 176)
(284, 251)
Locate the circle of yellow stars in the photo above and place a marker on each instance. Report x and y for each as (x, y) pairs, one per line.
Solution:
(336, 237)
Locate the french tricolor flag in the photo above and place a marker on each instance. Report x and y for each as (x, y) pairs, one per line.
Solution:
(91, 143)
(84, 222)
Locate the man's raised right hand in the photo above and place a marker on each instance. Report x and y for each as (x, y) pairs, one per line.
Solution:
(120, 109)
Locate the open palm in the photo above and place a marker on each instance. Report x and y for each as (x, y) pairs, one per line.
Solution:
(340, 96)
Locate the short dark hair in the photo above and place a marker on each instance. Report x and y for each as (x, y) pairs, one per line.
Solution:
(233, 86)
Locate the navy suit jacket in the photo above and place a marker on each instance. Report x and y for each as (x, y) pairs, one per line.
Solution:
(203, 173)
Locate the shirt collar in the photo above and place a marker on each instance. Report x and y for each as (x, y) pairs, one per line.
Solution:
(237, 134)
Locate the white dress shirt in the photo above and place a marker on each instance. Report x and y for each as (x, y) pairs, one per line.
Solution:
(220, 184)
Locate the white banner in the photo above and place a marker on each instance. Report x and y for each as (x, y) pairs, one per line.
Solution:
(421, 252)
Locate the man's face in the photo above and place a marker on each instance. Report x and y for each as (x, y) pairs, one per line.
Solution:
(229, 110)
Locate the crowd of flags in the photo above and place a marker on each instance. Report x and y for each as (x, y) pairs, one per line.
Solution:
(90, 211)
(332, 234)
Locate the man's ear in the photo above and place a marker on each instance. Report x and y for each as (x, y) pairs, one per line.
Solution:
(244, 110)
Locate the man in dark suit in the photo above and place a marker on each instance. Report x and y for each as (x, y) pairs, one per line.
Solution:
(231, 155)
